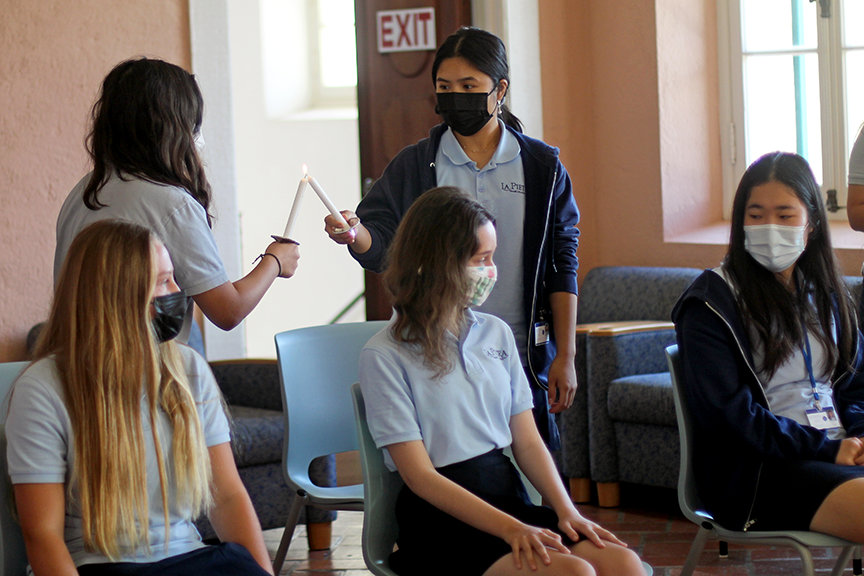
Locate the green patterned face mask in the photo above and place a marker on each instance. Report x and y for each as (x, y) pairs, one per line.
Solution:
(482, 280)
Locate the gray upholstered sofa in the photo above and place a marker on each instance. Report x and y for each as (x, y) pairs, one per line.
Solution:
(622, 427)
(252, 391)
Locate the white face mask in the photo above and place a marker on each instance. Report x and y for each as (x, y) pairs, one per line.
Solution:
(482, 280)
(773, 246)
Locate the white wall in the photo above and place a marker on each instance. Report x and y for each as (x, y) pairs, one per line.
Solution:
(269, 154)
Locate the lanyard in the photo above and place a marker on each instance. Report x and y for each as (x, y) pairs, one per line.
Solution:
(808, 361)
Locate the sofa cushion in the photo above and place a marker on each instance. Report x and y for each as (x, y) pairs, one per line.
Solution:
(257, 435)
(642, 399)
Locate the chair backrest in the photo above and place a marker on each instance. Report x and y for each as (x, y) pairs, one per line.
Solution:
(688, 497)
(615, 293)
(317, 366)
(380, 489)
(13, 556)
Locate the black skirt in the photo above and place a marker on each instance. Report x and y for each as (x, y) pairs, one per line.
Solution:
(432, 542)
(791, 491)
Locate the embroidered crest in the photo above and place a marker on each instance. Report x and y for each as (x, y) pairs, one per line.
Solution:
(495, 354)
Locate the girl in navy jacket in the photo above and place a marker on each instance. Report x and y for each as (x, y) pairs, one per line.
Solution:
(772, 358)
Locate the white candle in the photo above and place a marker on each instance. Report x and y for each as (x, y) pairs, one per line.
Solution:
(295, 208)
(326, 200)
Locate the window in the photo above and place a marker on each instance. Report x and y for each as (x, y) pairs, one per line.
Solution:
(334, 53)
(792, 79)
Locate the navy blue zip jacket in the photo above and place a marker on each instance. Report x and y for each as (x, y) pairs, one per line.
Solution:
(550, 233)
(735, 430)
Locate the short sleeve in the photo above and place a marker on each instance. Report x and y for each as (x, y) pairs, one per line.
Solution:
(197, 264)
(389, 401)
(208, 398)
(37, 433)
(520, 391)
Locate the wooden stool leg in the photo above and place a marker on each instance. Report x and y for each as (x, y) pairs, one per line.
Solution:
(319, 535)
(580, 490)
(609, 494)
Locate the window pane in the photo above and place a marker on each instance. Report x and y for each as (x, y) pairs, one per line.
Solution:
(769, 24)
(853, 17)
(338, 56)
(779, 117)
(336, 12)
(854, 95)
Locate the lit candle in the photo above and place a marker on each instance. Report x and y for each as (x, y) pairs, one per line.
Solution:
(326, 200)
(295, 207)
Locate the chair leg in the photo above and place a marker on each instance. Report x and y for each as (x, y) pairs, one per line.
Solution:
(843, 561)
(695, 551)
(806, 559)
(580, 490)
(856, 561)
(319, 535)
(609, 494)
(290, 526)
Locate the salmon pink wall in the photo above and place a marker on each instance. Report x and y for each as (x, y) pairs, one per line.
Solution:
(631, 96)
(53, 55)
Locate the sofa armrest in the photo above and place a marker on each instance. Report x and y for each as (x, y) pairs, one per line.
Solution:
(249, 382)
(609, 357)
(623, 327)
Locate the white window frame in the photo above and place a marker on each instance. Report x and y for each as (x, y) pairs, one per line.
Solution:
(733, 136)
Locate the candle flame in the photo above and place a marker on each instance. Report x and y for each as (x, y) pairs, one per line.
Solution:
(305, 170)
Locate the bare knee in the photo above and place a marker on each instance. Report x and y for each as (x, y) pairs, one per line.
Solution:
(613, 560)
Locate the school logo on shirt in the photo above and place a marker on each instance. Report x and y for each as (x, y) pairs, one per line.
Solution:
(495, 354)
(513, 187)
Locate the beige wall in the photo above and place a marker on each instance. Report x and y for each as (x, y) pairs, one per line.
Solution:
(53, 55)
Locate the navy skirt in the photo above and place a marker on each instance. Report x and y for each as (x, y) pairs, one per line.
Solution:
(432, 542)
(226, 559)
(791, 491)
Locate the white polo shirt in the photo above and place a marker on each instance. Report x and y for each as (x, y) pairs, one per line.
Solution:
(464, 414)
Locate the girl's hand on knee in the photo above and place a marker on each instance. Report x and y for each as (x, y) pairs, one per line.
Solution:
(530, 540)
(574, 525)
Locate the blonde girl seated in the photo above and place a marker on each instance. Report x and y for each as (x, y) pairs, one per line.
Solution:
(445, 394)
(117, 438)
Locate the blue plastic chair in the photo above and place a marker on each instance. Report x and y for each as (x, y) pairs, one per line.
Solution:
(317, 366)
(13, 556)
(692, 507)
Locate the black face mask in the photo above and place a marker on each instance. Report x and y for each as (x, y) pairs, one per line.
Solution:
(464, 112)
(170, 312)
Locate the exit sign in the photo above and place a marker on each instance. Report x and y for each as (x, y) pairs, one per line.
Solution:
(406, 30)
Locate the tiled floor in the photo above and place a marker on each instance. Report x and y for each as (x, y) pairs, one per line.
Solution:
(648, 520)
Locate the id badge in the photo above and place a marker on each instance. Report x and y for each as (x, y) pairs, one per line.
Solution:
(541, 333)
(825, 419)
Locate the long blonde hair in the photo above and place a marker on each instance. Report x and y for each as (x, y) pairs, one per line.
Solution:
(101, 336)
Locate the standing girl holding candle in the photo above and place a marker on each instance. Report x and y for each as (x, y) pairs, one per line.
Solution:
(480, 148)
(144, 142)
